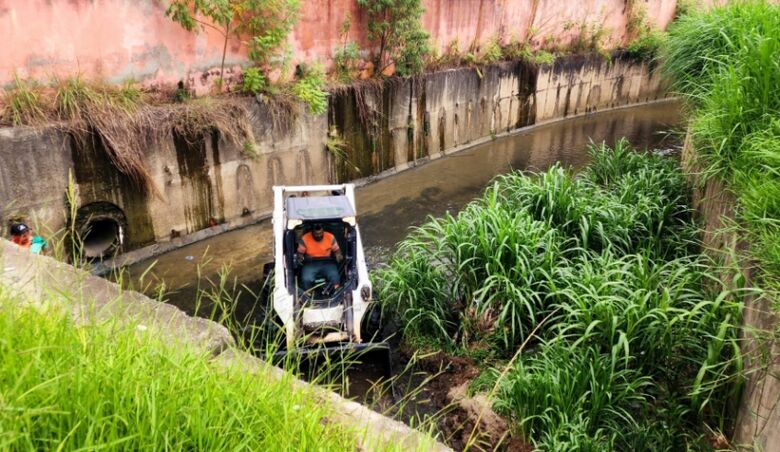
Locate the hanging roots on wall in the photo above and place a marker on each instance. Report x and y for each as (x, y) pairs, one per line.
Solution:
(201, 117)
(283, 109)
(126, 133)
(126, 121)
(110, 117)
(369, 102)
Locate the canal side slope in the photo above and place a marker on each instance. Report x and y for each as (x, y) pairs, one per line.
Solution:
(44, 285)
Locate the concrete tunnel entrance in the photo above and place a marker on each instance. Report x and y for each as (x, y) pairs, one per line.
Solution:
(101, 227)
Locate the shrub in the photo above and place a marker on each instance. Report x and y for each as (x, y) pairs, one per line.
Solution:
(309, 89)
(254, 81)
(264, 24)
(394, 25)
(345, 58)
(411, 58)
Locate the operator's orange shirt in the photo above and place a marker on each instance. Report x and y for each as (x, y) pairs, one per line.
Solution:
(323, 248)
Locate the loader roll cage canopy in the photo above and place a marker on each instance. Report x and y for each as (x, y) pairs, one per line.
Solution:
(337, 216)
(320, 208)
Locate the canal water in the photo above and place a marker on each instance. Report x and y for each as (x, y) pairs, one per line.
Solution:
(389, 207)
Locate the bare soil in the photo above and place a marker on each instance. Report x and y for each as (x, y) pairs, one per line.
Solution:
(447, 393)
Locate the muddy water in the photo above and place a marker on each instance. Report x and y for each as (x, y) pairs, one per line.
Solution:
(387, 208)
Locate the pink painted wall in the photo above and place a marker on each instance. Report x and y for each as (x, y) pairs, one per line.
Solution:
(118, 40)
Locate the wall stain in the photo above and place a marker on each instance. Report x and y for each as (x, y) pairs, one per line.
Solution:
(100, 182)
(219, 213)
(196, 184)
(304, 168)
(245, 188)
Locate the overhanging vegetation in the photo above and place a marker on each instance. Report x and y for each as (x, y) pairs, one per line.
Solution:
(726, 62)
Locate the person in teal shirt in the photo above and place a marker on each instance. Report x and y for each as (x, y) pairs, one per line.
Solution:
(21, 234)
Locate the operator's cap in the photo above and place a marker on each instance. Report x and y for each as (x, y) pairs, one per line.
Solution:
(19, 228)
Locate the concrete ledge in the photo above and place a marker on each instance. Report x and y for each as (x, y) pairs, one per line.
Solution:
(36, 278)
(377, 431)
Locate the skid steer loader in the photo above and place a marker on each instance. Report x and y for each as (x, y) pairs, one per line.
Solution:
(325, 317)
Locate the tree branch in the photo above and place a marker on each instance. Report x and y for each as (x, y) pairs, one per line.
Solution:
(210, 25)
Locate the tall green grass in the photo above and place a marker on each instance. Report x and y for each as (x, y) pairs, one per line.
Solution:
(99, 386)
(490, 271)
(727, 62)
(666, 343)
(638, 345)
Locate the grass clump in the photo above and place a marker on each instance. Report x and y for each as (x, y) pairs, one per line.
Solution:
(631, 331)
(635, 345)
(97, 385)
(23, 105)
(346, 60)
(726, 61)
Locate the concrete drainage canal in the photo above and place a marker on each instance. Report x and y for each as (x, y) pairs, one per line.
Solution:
(421, 386)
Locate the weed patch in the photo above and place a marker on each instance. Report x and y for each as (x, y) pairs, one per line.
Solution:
(99, 385)
(726, 61)
(310, 89)
(23, 105)
(599, 273)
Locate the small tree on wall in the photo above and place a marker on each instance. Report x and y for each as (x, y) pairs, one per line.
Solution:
(266, 23)
(395, 26)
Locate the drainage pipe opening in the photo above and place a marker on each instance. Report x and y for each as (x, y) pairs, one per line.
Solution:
(101, 229)
(101, 237)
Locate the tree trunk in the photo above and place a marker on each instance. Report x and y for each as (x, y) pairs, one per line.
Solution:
(222, 65)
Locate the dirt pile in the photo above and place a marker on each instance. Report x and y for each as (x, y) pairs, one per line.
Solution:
(448, 392)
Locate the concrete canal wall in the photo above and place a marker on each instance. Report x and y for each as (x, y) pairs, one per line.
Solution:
(758, 413)
(210, 185)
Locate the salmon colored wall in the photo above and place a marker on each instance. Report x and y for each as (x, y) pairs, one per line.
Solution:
(119, 40)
